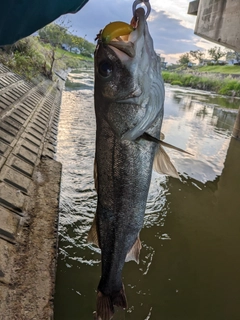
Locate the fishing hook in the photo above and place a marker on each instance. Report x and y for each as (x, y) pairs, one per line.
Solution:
(147, 4)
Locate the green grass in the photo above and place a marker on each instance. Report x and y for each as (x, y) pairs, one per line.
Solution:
(227, 86)
(32, 58)
(80, 57)
(220, 69)
(176, 83)
(70, 59)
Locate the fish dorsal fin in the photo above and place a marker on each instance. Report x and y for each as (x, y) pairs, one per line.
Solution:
(134, 253)
(92, 234)
(162, 163)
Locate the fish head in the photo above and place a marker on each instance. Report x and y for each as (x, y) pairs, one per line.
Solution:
(120, 64)
(112, 79)
(127, 70)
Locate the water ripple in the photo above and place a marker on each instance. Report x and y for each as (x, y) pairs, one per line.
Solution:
(174, 225)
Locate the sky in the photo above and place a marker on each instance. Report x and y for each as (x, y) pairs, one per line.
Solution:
(171, 28)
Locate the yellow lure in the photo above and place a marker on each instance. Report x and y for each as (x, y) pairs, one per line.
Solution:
(114, 30)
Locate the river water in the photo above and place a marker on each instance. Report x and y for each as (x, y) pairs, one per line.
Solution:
(190, 262)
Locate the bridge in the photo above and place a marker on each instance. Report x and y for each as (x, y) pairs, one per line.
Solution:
(217, 21)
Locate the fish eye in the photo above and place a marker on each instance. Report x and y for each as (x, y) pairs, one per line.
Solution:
(105, 68)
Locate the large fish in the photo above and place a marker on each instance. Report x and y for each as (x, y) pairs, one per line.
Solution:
(129, 98)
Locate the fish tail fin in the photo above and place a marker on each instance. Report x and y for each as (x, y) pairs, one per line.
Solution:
(119, 299)
(105, 309)
(106, 303)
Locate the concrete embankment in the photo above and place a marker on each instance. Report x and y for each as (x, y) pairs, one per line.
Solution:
(29, 193)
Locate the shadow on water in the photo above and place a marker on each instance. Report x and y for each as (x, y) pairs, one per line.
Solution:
(189, 267)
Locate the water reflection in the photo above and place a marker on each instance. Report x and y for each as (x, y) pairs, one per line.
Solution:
(189, 268)
(186, 96)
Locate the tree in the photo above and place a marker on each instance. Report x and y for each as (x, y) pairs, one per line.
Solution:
(237, 56)
(197, 55)
(184, 59)
(57, 35)
(53, 34)
(216, 53)
(233, 55)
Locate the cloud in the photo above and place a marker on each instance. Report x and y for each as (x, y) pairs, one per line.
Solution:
(170, 25)
(96, 14)
(176, 9)
(169, 35)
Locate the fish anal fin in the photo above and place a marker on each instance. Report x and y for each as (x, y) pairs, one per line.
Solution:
(163, 165)
(92, 234)
(134, 253)
(162, 136)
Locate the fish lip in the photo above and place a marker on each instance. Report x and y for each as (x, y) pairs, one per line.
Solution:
(127, 47)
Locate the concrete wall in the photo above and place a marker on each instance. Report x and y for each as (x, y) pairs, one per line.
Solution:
(29, 192)
(219, 21)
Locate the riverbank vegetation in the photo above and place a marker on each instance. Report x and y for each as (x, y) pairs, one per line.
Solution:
(209, 57)
(37, 56)
(219, 84)
(225, 69)
(219, 76)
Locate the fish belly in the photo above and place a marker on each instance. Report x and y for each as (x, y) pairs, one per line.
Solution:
(124, 172)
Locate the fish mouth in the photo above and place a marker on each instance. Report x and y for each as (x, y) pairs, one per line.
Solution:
(126, 43)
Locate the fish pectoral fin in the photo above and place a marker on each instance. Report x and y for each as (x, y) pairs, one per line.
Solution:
(92, 234)
(134, 253)
(148, 137)
(170, 146)
(162, 163)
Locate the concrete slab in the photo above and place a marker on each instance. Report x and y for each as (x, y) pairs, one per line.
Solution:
(29, 192)
(2, 160)
(20, 165)
(9, 221)
(12, 198)
(218, 21)
(5, 149)
(33, 270)
(193, 7)
(7, 254)
(15, 179)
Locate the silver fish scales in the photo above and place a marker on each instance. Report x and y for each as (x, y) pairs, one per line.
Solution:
(129, 98)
